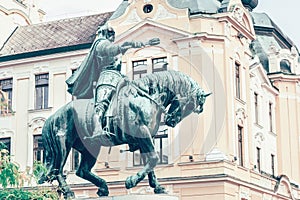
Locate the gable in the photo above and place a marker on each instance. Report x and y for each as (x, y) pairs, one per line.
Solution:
(147, 29)
(242, 16)
(284, 187)
(261, 80)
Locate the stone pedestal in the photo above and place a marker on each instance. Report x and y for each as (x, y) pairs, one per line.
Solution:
(136, 197)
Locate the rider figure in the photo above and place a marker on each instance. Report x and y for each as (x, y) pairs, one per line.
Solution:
(102, 64)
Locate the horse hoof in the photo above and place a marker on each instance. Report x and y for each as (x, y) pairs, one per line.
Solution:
(129, 183)
(102, 192)
(69, 195)
(160, 190)
(42, 179)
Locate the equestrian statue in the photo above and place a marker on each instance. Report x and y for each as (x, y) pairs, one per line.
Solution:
(119, 112)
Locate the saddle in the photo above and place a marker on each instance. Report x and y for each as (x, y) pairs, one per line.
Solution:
(111, 111)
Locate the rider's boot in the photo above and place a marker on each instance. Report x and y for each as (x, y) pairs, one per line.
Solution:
(100, 109)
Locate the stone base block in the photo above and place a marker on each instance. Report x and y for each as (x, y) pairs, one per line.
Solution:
(136, 197)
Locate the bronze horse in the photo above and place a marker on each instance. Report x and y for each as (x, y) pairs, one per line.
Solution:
(133, 119)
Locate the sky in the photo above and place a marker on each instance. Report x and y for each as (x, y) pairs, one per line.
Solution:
(285, 14)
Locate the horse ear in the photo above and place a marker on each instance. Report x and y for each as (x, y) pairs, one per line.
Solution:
(206, 95)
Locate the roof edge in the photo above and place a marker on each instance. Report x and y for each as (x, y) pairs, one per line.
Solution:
(45, 52)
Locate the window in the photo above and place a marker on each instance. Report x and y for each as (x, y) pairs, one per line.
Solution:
(285, 66)
(159, 64)
(270, 117)
(75, 159)
(137, 158)
(273, 164)
(256, 107)
(5, 143)
(38, 148)
(240, 146)
(6, 85)
(237, 81)
(161, 147)
(148, 8)
(139, 69)
(258, 158)
(41, 91)
(73, 71)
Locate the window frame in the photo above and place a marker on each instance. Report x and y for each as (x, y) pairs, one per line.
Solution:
(240, 145)
(38, 151)
(8, 147)
(138, 161)
(256, 108)
(136, 72)
(73, 71)
(163, 135)
(156, 61)
(41, 91)
(6, 86)
(159, 138)
(273, 164)
(271, 128)
(237, 72)
(258, 158)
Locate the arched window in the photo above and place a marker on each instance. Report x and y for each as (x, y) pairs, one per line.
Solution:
(285, 66)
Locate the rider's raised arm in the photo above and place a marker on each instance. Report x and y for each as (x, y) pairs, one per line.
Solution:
(106, 48)
(128, 45)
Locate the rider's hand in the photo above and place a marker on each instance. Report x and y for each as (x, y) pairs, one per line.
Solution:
(137, 44)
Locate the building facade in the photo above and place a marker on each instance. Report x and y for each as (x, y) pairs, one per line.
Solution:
(245, 145)
(15, 13)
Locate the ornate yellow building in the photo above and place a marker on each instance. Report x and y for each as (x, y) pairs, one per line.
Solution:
(245, 145)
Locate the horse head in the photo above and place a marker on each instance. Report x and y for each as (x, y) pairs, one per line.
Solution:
(200, 100)
(184, 106)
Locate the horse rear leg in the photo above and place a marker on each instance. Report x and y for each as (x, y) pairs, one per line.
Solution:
(84, 171)
(65, 189)
(61, 159)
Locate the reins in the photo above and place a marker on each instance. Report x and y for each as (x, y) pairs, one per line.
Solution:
(143, 93)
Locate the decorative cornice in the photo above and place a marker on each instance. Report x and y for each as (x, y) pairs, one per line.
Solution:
(37, 124)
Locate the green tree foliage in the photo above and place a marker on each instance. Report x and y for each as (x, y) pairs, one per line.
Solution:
(9, 171)
(10, 176)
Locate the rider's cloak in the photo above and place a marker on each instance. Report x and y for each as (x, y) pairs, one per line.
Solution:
(80, 84)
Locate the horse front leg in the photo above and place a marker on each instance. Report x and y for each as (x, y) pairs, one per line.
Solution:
(153, 182)
(148, 151)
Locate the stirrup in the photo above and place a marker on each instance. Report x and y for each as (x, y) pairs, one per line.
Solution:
(105, 131)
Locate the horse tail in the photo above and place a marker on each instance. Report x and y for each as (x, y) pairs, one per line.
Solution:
(52, 143)
(49, 146)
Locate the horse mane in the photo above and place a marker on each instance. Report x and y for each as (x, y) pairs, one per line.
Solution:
(174, 81)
